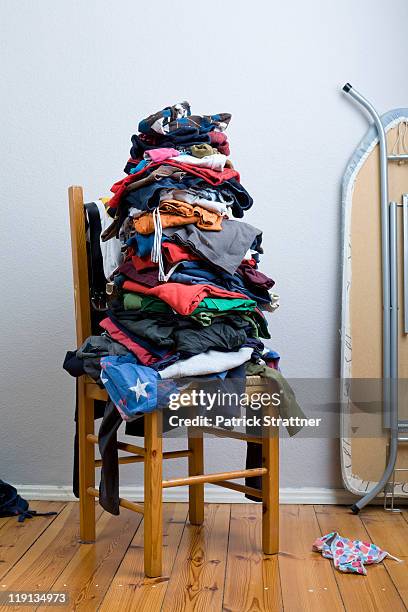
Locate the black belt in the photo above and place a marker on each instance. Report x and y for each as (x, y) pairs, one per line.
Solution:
(97, 276)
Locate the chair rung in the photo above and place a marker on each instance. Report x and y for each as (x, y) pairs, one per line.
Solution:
(191, 480)
(235, 486)
(137, 459)
(223, 433)
(124, 503)
(130, 448)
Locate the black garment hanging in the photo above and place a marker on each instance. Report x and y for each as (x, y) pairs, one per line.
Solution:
(95, 260)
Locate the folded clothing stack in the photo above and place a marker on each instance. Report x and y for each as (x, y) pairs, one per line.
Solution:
(189, 297)
(189, 281)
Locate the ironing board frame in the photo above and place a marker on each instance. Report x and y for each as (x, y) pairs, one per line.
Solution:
(389, 267)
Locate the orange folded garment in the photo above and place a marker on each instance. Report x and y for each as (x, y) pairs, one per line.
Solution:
(174, 213)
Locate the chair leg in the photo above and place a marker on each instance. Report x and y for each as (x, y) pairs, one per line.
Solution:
(195, 468)
(86, 465)
(153, 503)
(270, 492)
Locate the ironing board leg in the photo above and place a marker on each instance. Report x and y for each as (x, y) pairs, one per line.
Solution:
(195, 468)
(153, 503)
(86, 465)
(270, 492)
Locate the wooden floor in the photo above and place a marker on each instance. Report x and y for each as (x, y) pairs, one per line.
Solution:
(218, 566)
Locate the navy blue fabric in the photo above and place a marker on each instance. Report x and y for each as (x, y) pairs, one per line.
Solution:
(242, 199)
(141, 243)
(12, 504)
(73, 365)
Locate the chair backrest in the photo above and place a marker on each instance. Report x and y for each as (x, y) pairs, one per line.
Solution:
(79, 264)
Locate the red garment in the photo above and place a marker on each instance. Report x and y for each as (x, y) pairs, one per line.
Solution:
(119, 187)
(220, 140)
(143, 263)
(116, 334)
(213, 177)
(182, 298)
(174, 253)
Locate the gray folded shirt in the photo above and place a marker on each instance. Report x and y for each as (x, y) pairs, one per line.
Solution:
(225, 249)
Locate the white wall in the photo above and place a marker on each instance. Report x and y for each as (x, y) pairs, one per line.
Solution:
(77, 78)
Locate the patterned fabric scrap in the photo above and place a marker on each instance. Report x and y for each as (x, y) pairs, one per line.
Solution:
(350, 555)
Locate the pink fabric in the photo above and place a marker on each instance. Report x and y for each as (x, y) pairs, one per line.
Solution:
(182, 298)
(158, 155)
(116, 334)
(220, 140)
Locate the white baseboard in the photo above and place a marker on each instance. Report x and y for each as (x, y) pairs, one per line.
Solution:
(301, 495)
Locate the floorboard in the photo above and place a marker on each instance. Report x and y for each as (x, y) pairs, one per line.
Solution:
(48, 556)
(92, 568)
(4, 520)
(16, 538)
(197, 579)
(130, 590)
(252, 578)
(218, 566)
(390, 532)
(307, 580)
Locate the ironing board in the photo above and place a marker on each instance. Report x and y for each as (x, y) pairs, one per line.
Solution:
(363, 459)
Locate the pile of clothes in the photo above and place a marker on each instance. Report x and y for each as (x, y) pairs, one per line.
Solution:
(187, 297)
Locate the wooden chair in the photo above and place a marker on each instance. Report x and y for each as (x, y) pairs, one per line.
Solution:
(151, 454)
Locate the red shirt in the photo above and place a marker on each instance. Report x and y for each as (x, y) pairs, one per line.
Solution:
(182, 298)
(174, 253)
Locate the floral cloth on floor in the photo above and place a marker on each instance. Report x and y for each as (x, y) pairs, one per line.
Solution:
(350, 555)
